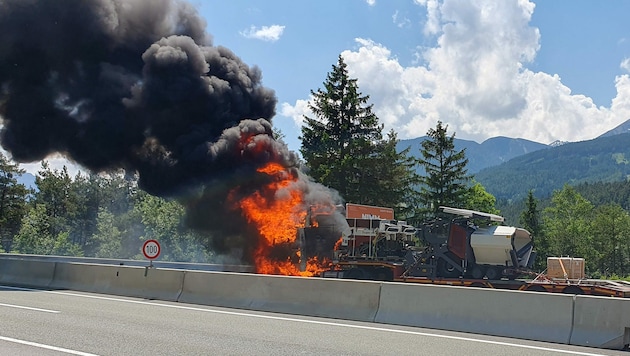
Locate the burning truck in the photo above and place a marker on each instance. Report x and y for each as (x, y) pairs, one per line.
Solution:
(138, 87)
(372, 245)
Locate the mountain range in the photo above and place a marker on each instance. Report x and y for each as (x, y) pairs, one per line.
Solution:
(509, 167)
(490, 152)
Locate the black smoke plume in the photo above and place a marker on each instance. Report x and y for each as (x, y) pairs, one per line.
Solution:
(138, 85)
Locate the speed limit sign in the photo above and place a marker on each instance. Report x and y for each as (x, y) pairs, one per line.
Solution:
(151, 249)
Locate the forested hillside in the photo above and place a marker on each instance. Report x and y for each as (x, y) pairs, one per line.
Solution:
(598, 193)
(605, 159)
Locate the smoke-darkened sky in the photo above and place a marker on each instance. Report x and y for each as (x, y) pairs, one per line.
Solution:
(124, 84)
(138, 85)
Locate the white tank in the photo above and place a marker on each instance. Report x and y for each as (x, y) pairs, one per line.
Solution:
(492, 245)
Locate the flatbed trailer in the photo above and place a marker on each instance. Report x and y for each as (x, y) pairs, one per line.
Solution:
(596, 287)
(618, 289)
(462, 248)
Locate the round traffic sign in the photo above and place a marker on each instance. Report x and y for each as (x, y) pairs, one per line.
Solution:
(151, 249)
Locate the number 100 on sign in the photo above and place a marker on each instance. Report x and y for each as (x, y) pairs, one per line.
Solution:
(151, 249)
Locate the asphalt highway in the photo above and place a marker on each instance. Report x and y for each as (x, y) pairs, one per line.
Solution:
(43, 322)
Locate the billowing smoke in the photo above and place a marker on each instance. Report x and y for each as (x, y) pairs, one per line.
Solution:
(138, 85)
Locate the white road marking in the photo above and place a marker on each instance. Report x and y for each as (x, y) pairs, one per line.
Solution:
(306, 321)
(47, 347)
(29, 308)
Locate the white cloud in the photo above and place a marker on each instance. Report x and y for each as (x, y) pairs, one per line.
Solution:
(625, 64)
(432, 26)
(400, 20)
(475, 79)
(297, 111)
(371, 2)
(265, 33)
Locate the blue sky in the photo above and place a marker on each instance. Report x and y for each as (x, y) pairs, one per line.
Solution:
(539, 70)
(543, 70)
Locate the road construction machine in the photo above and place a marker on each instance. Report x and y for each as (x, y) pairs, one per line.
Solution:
(460, 244)
(460, 248)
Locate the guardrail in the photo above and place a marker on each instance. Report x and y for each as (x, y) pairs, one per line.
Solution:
(138, 263)
(578, 320)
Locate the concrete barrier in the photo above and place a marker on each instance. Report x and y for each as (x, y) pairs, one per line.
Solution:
(343, 299)
(84, 277)
(164, 284)
(26, 273)
(525, 315)
(601, 322)
(579, 320)
(151, 283)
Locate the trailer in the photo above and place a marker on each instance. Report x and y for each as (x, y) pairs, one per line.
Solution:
(460, 248)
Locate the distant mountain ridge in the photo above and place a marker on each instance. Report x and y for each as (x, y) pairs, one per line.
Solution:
(623, 128)
(508, 168)
(604, 159)
(491, 152)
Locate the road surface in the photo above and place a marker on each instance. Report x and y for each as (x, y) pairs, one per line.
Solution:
(42, 322)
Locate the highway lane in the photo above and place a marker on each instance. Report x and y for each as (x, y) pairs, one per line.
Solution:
(38, 322)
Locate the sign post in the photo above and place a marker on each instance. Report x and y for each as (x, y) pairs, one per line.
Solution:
(151, 250)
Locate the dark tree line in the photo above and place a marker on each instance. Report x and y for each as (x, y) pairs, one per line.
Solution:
(13, 199)
(568, 223)
(90, 215)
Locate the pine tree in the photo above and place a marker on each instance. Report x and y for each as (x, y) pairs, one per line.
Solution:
(530, 217)
(530, 221)
(445, 180)
(55, 192)
(13, 197)
(340, 144)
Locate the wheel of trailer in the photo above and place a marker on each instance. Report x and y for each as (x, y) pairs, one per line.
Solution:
(478, 272)
(493, 273)
(535, 289)
(572, 290)
(383, 274)
(354, 273)
(446, 269)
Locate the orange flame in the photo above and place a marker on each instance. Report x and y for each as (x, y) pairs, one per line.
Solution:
(277, 221)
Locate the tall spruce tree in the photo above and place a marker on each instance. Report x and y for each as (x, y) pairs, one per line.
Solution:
(13, 197)
(530, 217)
(344, 149)
(530, 220)
(446, 180)
(340, 143)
